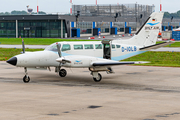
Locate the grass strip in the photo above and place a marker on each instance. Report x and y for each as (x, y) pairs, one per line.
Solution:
(166, 59)
(6, 53)
(48, 41)
(34, 41)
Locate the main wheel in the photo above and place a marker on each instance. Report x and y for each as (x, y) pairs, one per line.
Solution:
(98, 79)
(62, 73)
(26, 79)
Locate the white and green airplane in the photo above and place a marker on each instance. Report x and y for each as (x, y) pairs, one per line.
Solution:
(98, 56)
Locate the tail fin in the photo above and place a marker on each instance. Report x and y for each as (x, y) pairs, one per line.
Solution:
(148, 33)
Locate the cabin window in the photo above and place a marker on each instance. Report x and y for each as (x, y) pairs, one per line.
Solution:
(89, 46)
(118, 46)
(78, 47)
(98, 46)
(66, 47)
(113, 46)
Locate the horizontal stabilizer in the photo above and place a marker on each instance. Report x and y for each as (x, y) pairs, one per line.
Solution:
(156, 46)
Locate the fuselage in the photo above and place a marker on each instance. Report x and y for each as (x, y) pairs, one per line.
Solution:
(83, 51)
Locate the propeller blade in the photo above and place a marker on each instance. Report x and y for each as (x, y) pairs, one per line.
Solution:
(23, 47)
(58, 49)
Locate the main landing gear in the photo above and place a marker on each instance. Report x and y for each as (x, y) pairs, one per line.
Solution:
(26, 78)
(96, 76)
(62, 73)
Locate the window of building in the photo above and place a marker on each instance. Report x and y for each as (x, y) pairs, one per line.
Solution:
(3, 33)
(54, 33)
(120, 26)
(7, 29)
(2, 25)
(33, 28)
(66, 47)
(85, 27)
(88, 46)
(98, 46)
(104, 26)
(78, 47)
(133, 25)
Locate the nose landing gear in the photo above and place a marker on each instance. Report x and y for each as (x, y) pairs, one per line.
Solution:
(26, 78)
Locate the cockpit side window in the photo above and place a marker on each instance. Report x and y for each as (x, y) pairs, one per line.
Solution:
(52, 47)
(66, 47)
(113, 46)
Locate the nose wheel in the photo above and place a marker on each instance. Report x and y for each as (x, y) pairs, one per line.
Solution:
(26, 79)
(62, 73)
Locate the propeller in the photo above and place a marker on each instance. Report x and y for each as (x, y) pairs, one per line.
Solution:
(23, 47)
(61, 59)
(58, 49)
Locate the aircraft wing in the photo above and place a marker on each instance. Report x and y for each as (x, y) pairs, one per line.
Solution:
(157, 45)
(112, 63)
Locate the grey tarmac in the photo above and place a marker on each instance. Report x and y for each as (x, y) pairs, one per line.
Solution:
(132, 93)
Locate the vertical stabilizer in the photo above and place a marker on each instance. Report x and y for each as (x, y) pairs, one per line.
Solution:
(148, 33)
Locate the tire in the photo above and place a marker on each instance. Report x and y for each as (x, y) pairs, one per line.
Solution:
(26, 79)
(62, 73)
(98, 79)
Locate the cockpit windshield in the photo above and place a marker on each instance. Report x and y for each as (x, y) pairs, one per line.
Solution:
(52, 47)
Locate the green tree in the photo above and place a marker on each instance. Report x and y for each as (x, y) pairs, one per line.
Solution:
(169, 15)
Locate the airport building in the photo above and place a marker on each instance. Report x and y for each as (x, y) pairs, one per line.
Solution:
(32, 26)
(86, 20)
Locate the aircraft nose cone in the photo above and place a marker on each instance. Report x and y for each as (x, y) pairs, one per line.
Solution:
(12, 61)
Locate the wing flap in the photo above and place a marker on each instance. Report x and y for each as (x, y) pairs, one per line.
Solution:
(116, 63)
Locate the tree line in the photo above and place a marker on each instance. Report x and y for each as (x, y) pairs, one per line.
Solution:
(20, 13)
(172, 15)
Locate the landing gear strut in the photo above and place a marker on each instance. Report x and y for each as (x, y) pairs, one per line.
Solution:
(26, 78)
(62, 73)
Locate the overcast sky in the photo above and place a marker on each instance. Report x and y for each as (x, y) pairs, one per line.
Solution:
(63, 6)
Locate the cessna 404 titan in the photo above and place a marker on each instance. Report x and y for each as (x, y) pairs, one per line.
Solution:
(96, 55)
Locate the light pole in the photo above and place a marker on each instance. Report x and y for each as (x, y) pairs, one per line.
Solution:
(37, 8)
(160, 6)
(71, 6)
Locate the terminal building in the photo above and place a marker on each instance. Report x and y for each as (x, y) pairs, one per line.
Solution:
(84, 21)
